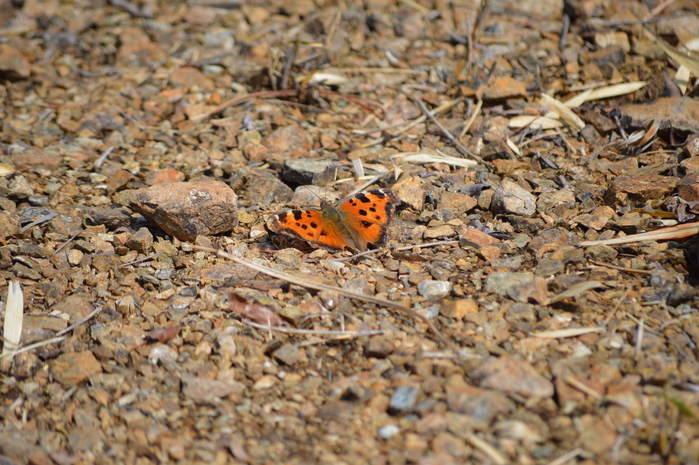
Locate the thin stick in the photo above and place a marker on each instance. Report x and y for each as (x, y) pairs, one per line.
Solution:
(67, 242)
(621, 268)
(283, 329)
(449, 135)
(420, 119)
(43, 219)
(397, 249)
(566, 457)
(343, 292)
(616, 307)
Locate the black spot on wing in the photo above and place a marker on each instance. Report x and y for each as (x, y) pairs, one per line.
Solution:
(298, 214)
(362, 198)
(367, 224)
(313, 225)
(363, 212)
(378, 217)
(303, 226)
(323, 233)
(373, 209)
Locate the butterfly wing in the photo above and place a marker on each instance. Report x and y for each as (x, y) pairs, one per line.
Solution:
(367, 216)
(307, 225)
(356, 221)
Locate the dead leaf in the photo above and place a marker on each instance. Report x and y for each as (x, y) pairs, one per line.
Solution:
(164, 334)
(258, 313)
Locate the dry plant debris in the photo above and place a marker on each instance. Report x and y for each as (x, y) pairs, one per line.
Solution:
(535, 300)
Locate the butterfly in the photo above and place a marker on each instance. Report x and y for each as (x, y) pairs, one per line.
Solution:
(355, 222)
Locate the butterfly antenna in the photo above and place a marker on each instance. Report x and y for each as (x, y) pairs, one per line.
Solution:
(308, 188)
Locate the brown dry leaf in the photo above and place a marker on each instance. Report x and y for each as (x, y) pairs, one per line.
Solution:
(258, 313)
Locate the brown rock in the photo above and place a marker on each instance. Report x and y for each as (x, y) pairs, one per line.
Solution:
(77, 306)
(458, 308)
(202, 390)
(513, 377)
(379, 347)
(71, 369)
(640, 188)
(191, 77)
(287, 142)
(165, 175)
(679, 113)
(596, 219)
(188, 209)
(140, 241)
(688, 187)
(479, 403)
(306, 171)
(510, 197)
(457, 201)
(501, 88)
(261, 185)
(141, 55)
(13, 63)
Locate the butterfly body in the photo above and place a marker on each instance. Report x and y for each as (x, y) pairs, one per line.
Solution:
(355, 222)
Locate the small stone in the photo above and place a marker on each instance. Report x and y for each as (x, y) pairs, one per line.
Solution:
(534, 291)
(481, 404)
(411, 191)
(202, 390)
(601, 252)
(305, 171)
(359, 285)
(403, 400)
(439, 232)
(501, 88)
(141, 241)
(265, 382)
(462, 203)
(388, 431)
(681, 292)
(458, 309)
(106, 262)
(165, 175)
(77, 306)
(476, 238)
(120, 181)
(639, 188)
(378, 347)
(71, 369)
(678, 113)
(189, 77)
(434, 290)
(112, 218)
(288, 354)
(511, 198)
(140, 55)
(287, 142)
(13, 63)
(260, 184)
(188, 209)
(501, 281)
(556, 201)
(513, 377)
(597, 219)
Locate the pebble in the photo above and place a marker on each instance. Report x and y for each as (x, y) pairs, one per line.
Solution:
(287, 142)
(439, 232)
(13, 63)
(378, 347)
(501, 281)
(72, 368)
(188, 209)
(678, 113)
(141, 241)
(305, 171)
(458, 308)
(403, 400)
(513, 376)
(288, 354)
(202, 390)
(260, 184)
(479, 403)
(639, 188)
(388, 431)
(434, 290)
(511, 198)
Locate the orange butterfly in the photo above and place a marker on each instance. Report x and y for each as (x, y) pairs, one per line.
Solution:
(355, 222)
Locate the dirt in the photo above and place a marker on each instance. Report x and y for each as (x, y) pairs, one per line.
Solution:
(512, 314)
